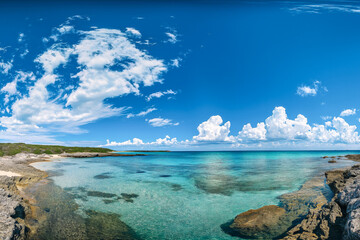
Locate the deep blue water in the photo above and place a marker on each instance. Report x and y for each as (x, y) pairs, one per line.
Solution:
(188, 195)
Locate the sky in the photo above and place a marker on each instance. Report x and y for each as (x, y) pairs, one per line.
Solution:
(181, 75)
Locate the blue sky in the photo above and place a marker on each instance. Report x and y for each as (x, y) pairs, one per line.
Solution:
(180, 75)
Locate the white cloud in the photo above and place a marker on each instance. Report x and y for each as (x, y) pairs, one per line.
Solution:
(213, 130)
(11, 87)
(325, 118)
(160, 122)
(96, 53)
(160, 94)
(59, 31)
(249, 133)
(319, 8)
(172, 37)
(21, 37)
(348, 112)
(337, 131)
(167, 141)
(142, 113)
(306, 91)
(310, 91)
(278, 126)
(65, 29)
(5, 67)
(133, 32)
(176, 62)
(26, 51)
(277, 130)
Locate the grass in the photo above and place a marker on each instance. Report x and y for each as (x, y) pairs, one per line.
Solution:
(9, 149)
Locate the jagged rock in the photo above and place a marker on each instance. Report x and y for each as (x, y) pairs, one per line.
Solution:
(10, 210)
(338, 219)
(351, 191)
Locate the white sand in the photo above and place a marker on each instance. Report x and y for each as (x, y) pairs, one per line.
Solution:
(9, 174)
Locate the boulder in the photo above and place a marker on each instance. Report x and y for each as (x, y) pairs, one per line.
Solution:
(258, 223)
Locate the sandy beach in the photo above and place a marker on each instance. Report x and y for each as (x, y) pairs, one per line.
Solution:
(19, 214)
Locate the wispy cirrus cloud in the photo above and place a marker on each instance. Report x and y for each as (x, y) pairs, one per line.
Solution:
(348, 112)
(161, 122)
(160, 94)
(320, 8)
(142, 113)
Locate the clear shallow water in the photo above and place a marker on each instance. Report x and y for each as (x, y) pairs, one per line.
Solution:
(187, 195)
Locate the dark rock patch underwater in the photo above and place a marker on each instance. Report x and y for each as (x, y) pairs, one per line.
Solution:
(58, 218)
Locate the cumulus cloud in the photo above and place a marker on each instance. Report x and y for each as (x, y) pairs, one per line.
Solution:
(310, 90)
(279, 128)
(161, 122)
(160, 94)
(166, 141)
(249, 133)
(348, 112)
(306, 91)
(213, 130)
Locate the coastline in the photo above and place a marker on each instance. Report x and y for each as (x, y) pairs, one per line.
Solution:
(19, 211)
(309, 213)
(21, 215)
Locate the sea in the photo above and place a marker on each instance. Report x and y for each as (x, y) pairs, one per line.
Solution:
(186, 195)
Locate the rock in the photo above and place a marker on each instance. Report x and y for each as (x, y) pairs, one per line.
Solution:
(332, 161)
(10, 210)
(354, 157)
(258, 223)
(335, 179)
(338, 219)
(352, 226)
(318, 224)
(350, 192)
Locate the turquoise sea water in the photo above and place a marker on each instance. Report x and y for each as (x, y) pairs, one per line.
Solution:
(187, 195)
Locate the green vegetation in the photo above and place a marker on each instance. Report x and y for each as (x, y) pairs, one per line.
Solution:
(8, 149)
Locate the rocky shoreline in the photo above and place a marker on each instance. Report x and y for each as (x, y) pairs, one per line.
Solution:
(17, 210)
(307, 213)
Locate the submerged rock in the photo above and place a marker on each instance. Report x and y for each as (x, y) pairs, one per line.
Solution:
(259, 223)
(165, 175)
(176, 187)
(128, 197)
(101, 194)
(107, 226)
(103, 176)
(270, 222)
